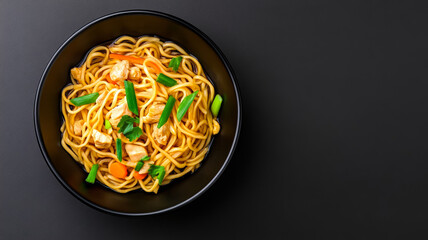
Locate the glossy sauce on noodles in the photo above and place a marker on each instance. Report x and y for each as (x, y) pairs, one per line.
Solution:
(149, 155)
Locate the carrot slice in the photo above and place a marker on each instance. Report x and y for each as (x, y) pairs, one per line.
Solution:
(154, 65)
(131, 59)
(137, 60)
(118, 170)
(139, 176)
(110, 80)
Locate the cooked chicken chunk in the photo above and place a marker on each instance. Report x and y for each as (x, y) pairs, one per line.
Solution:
(134, 73)
(78, 127)
(76, 73)
(135, 152)
(118, 112)
(119, 72)
(161, 135)
(101, 140)
(216, 127)
(155, 111)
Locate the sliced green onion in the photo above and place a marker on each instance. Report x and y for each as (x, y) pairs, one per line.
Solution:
(157, 172)
(92, 174)
(86, 99)
(128, 129)
(130, 97)
(139, 166)
(185, 104)
(119, 149)
(135, 133)
(141, 163)
(125, 121)
(166, 111)
(107, 124)
(215, 106)
(165, 80)
(175, 63)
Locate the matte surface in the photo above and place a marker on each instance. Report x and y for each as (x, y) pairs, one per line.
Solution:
(333, 144)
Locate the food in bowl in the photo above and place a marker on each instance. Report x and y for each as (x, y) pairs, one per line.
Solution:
(139, 113)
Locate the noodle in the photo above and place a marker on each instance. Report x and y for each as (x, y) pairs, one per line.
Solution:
(180, 147)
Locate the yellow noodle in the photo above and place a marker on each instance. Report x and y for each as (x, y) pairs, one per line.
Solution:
(188, 139)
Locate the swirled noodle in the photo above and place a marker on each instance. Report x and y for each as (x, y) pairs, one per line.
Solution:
(179, 148)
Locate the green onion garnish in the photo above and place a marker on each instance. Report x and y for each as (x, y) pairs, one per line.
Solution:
(92, 174)
(141, 163)
(126, 126)
(119, 149)
(128, 129)
(86, 99)
(130, 97)
(139, 166)
(165, 80)
(157, 172)
(175, 63)
(215, 106)
(166, 111)
(107, 124)
(185, 104)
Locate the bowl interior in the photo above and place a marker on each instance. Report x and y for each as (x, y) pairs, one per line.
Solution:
(48, 117)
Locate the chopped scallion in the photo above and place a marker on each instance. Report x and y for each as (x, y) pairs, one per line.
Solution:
(86, 99)
(130, 97)
(107, 124)
(92, 174)
(126, 126)
(166, 111)
(139, 166)
(175, 63)
(185, 104)
(165, 80)
(128, 129)
(157, 172)
(141, 163)
(119, 149)
(215, 106)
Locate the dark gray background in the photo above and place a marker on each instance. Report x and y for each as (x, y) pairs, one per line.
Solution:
(334, 136)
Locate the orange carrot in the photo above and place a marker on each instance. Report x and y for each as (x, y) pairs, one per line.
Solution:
(118, 170)
(137, 60)
(154, 65)
(109, 79)
(131, 59)
(139, 176)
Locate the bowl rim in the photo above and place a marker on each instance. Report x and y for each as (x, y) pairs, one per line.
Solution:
(143, 12)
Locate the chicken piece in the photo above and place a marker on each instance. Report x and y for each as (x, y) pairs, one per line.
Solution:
(77, 127)
(161, 135)
(216, 127)
(155, 111)
(118, 112)
(134, 73)
(146, 167)
(135, 152)
(76, 73)
(101, 140)
(119, 72)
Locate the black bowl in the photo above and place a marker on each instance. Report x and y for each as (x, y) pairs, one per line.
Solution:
(47, 116)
